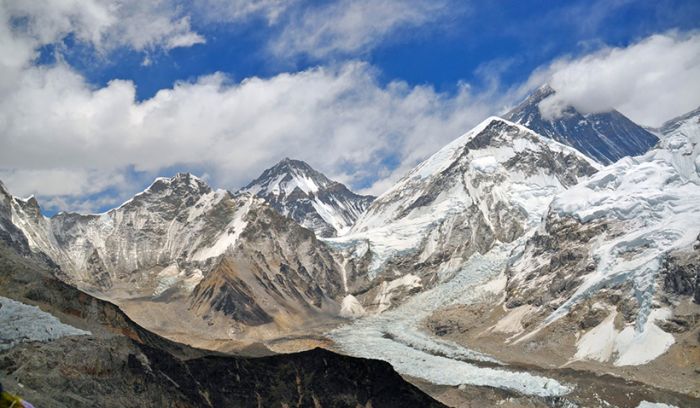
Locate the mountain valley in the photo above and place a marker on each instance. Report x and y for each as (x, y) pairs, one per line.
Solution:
(507, 268)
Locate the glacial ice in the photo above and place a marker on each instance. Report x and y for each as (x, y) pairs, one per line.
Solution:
(24, 323)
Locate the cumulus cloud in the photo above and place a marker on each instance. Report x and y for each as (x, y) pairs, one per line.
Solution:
(82, 147)
(68, 141)
(353, 26)
(339, 119)
(650, 81)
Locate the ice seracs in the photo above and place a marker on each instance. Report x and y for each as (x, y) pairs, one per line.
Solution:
(308, 197)
(24, 323)
(625, 239)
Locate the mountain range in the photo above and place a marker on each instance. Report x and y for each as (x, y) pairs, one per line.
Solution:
(529, 242)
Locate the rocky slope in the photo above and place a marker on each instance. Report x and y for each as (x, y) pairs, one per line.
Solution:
(308, 197)
(606, 137)
(107, 360)
(197, 260)
(489, 185)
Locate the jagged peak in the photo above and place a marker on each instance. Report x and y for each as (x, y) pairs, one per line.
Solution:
(182, 183)
(183, 179)
(288, 175)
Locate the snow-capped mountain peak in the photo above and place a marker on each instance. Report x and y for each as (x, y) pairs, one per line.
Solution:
(286, 176)
(297, 191)
(487, 186)
(606, 137)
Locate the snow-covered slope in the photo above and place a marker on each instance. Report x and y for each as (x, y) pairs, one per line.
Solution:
(626, 241)
(308, 197)
(181, 243)
(606, 137)
(487, 186)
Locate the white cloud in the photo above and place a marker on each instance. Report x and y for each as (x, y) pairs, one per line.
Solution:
(63, 138)
(239, 10)
(103, 24)
(339, 119)
(353, 26)
(650, 81)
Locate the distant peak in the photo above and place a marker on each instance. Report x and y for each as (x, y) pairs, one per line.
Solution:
(184, 180)
(293, 163)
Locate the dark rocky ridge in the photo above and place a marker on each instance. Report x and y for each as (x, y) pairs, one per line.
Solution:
(605, 137)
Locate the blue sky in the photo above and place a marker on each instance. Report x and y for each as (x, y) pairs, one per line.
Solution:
(513, 36)
(362, 90)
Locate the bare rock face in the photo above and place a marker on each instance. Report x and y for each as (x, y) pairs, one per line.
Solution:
(276, 269)
(488, 186)
(680, 272)
(297, 191)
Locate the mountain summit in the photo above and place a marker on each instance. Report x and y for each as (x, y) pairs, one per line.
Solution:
(606, 137)
(297, 191)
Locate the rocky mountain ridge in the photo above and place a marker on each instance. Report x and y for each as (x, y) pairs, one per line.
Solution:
(182, 249)
(108, 360)
(297, 191)
(605, 137)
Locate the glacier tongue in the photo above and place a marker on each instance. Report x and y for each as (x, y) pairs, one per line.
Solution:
(395, 336)
(22, 323)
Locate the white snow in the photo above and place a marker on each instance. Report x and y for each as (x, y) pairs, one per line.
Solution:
(486, 164)
(24, 323)
(599, 342)
(391, 231)
(647, 404)
(229, 235)
(635, 347)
